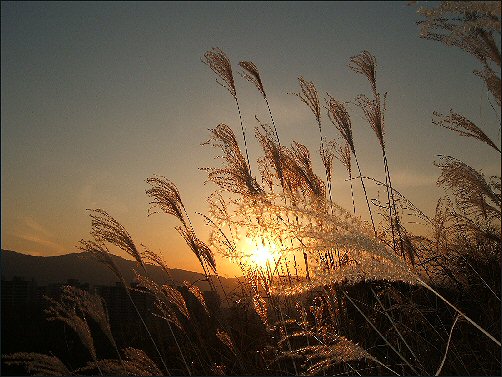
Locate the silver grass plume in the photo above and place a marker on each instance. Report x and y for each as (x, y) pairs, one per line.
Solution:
(38, 364)
(106, 228)
(272, 159)
(469, 25)
(226, 340)
(340, 118)
(197, 294)
(251, 74)
(299, 173)
(136, 363)
(367, 258)
(492, 82)
(365, 64)
(470, 188)
(463, 126)
(308, 95)
(141, 360)
(151, 256)
(342, 154)
(90, 305)
(166, 197)
(236, 175)
(472, 26)
(165, 300)
(99, 251)
(327, 155)
(219, 63)
(374, 114)
(322, 356)
(66, 312)
(199, 248)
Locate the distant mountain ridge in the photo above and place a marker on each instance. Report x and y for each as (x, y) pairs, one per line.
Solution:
(85, 268)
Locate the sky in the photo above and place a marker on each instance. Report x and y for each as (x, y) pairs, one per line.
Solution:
(98, 96)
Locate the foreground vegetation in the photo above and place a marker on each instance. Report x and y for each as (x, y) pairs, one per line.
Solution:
(324, 292)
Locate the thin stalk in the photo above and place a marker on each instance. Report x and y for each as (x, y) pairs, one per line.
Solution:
(459, 312)
(328, 181)
(352, 192)
(381, 335)
(114, 344)
(479, 276)
(447, 346)
(393, 201)
(395, 328)
(389, 201)
(365, 193)
(148, 331)
(243, 134)
(273, 123)
(383, 365)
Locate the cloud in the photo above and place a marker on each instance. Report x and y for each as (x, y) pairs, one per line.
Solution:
(41, 241)
(33, 226)
(408, 178)
(96, 193)
(33, 232)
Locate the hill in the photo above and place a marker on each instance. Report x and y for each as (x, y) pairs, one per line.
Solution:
(85, 268)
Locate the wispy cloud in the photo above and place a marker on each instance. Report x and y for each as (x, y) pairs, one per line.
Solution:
(91, 195)
(31, 231)
(408, 178)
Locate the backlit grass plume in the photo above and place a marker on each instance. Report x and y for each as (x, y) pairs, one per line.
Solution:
(106, 228)
(90, 305)
(219, 63)
(463, 126)
(309, 96)
(271, 163)
(135, 363)
(339, 116)
(471, 190)
(166, 197)
(66, 312)
(252, 74)
(365, 64)
(300, 173)
(236, 175)
(100, 252)
(38, 364)
(199, 248)
(473, 26)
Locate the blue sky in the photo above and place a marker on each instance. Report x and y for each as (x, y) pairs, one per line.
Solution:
(98, 96)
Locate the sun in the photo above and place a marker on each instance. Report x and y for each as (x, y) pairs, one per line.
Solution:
(261, 256)
(260, 253)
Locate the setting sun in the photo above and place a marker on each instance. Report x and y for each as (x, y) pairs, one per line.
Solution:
(237, 188)
(261, 256)
(259, 253)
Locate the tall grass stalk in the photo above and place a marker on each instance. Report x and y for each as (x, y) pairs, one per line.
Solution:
(380, 334)
(447, 345)
(468, 319)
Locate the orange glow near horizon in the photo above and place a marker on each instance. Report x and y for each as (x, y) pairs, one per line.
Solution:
(259, 253)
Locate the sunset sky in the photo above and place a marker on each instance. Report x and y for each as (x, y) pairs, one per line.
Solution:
(96, 97)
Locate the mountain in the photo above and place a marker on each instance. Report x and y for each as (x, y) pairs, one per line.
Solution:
(87, 269)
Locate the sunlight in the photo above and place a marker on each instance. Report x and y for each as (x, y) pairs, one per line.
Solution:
(260, 253)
